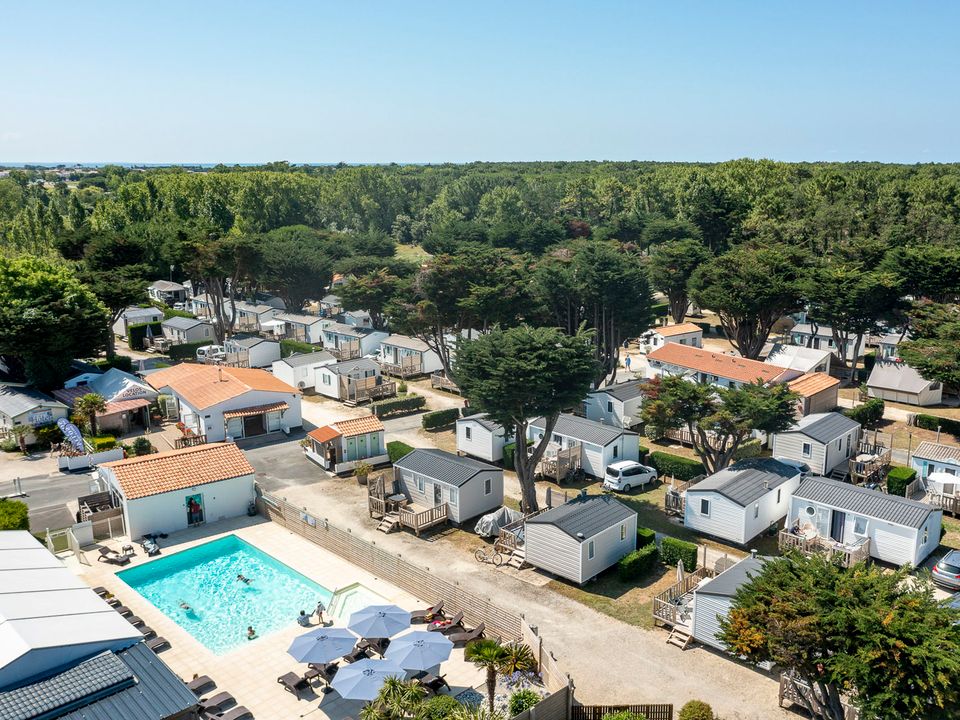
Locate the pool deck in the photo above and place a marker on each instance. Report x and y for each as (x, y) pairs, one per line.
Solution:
(250, 673)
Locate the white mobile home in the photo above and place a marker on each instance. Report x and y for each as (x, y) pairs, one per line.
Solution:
(931, 457)
(303, 328)
(300, 371)
(480, 437)
(430, 478)
(797, 357)
(251, 351)
(339, 447)
(345, 380)
(741, 501)
(136, 316)
(900, 531)
(713, 598)
(167, 292)
(179, 330)
(896, 381)
(581, 538)
(599, 444)
(348, 342)
(407, 356)
(617, 404)
(253, 317)
(821, 338)
(824, 441)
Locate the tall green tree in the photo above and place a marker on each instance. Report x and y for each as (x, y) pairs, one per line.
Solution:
(47, 318)
(933, 349)
(878, 637)
(488, 655)
(926, 271)
(671, 266)
(521, 373)
(296, 263)
(372, 292)
(750, 289)
(719, 420)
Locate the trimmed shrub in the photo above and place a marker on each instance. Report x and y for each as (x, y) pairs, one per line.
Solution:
(696, 710)
(869, 360)
(638, 563)
(440, 418)
(681, 468)
(402, 387)
(169, 312)
(291, 347)
(439, 707)
(141, 446)
(394, 406)
(645, 536)
(644, 451)
(103, 442)
(508, 451)
(137, 334)
(932, 422)
(121, 362)
(673, 549)
(898, 478)
(14, 515)
(869, 414)
(624, 715)
(187, 351)
(523, 700)
(397, 449)
(749, 449)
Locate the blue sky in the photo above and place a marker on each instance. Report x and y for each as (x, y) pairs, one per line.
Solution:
(458, 81)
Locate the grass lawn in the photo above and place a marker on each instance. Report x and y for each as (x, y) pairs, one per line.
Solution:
(952, 537)
(630, 602)
(414, 253)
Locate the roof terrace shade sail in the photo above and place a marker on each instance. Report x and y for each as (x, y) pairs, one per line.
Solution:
(419, 650)
(322, 645)
(363, 679)
(379, 621)
(255, 410)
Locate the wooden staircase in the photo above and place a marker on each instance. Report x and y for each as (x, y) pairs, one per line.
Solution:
(389, 523)
(679, 637)
(517, 559)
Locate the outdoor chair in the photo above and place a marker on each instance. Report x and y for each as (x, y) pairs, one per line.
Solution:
(114, 558)
(358, 653)
(378, 645)
(322, 672)
(124, 610)
(236, 713)
(158, 643)
(216, 703)
(114, 602)
(148, 632)
(102, 591)
(135, 621)
(453, 625)
(198, 684)
(468, 636)
(428, 615)
(293, 682)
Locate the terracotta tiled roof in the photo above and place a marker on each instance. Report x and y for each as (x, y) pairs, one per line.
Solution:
(359, 426)
(179, 469)
(732, 367)
(203, 386)
(325, 433)
(124, 405)
(255, 410)
(810, 384)
(681, 329)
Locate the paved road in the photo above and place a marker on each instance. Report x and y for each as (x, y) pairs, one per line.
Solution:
(52, 498)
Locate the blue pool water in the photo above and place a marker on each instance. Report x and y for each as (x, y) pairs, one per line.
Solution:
(222, 607)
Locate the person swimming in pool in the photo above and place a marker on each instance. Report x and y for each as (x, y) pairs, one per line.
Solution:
(251, 633)
(242, 578)
(185, 606)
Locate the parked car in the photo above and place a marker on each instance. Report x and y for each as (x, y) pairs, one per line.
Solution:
(211, 352)
(625, 475)
(946, 571)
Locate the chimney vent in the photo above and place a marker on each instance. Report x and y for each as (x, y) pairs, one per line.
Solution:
(753, 553)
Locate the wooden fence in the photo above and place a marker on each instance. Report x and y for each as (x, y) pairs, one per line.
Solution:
(596, 712)
(555, 706)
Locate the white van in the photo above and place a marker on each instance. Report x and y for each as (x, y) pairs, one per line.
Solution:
(209, 353)
(625, 475)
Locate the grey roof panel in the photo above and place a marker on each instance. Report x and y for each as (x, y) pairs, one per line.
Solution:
(747, 481)
(864, 501)
(888, 375)
(308, 358)
(587, 431)
(16, 400)
(182, 323)
(585, 516)
(938, 451)
(339, 328)
(247, 341)
(406, 342)
(825, 427)
(483, 420)
(443, 466)
(622, 391)
(166, 285)
(729, 581)
(347, 366)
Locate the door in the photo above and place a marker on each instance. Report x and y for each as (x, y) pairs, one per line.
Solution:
(437, 494)
(194, 505)
(836, 525)
(362, 447)
(253, 425)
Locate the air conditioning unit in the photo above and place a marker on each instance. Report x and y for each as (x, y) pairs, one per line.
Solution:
(301, 385)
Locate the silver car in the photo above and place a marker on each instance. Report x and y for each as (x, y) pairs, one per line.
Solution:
(947, 570)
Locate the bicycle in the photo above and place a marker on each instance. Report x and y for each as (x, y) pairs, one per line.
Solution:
(489, 556)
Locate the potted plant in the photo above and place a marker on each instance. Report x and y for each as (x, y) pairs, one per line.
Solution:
(361, 471)
(305, 444)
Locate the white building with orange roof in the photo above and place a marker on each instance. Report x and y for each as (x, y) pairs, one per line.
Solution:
(682, 333)
(720, 369)
(818, 393)
(222, 402)
(171, 491)
(339, 447)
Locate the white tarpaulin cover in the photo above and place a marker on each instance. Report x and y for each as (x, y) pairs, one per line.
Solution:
(489, 525)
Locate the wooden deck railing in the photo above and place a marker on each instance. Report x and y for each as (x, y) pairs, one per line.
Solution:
(791, 687)
(403, 369)
(189, 441)
(913, 489)
(870, 471)
(665, 609)
(948, 503)
(423, 519)
(439, 380)
(673, 503)
(345, 352)
(849, 555)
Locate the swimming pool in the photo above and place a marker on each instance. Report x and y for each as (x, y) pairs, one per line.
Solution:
(221, 606)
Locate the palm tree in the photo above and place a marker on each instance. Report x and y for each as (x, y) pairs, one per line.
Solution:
(487, 655)
(397, 699)
(475, 712)
(20, 432)
(518, 658)
(87, 406)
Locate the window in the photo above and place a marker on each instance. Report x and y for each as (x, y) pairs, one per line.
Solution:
(807, 450)
(623, 532)
(326, 379)
(859, 526)
(926, 534)
(488, 486)
(616, 451)
(590, 550)
(778, 495)
(840, 444)
(454, 496)
(468, 433)
(420, 488)
(704, 506)
(810, 510)
(934, 386)
(557, 439)
(609, 406)
(756, 510)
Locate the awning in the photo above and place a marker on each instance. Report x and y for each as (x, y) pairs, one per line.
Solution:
(124, 405)
(324, 434)
(255, 410)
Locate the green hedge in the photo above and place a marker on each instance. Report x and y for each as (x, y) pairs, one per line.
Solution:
(121, 362)
(681, 468)
(103, 442)
(440, 418)
(638, 563)
(397, 449)
(14, 515)
(932, 422)
(508, 451)
(869, 360)
(696, 710)
(169, 312)
(672, 550)
(660, 309)
(645, 536)
(898, 478)
(749, 449)
(439, 707)
(187, 351)
(869, 414)
(644, 451)
(137, 334)
(393, 406)
(292, 347)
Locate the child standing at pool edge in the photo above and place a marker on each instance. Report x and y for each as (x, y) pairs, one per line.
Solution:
(321, 609)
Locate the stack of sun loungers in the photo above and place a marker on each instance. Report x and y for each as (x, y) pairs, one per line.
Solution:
(454, 628)
(155, 643)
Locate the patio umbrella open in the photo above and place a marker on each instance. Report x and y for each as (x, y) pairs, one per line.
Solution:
(379, 621)
(363, 679)
(419, 650)
(322, 645)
